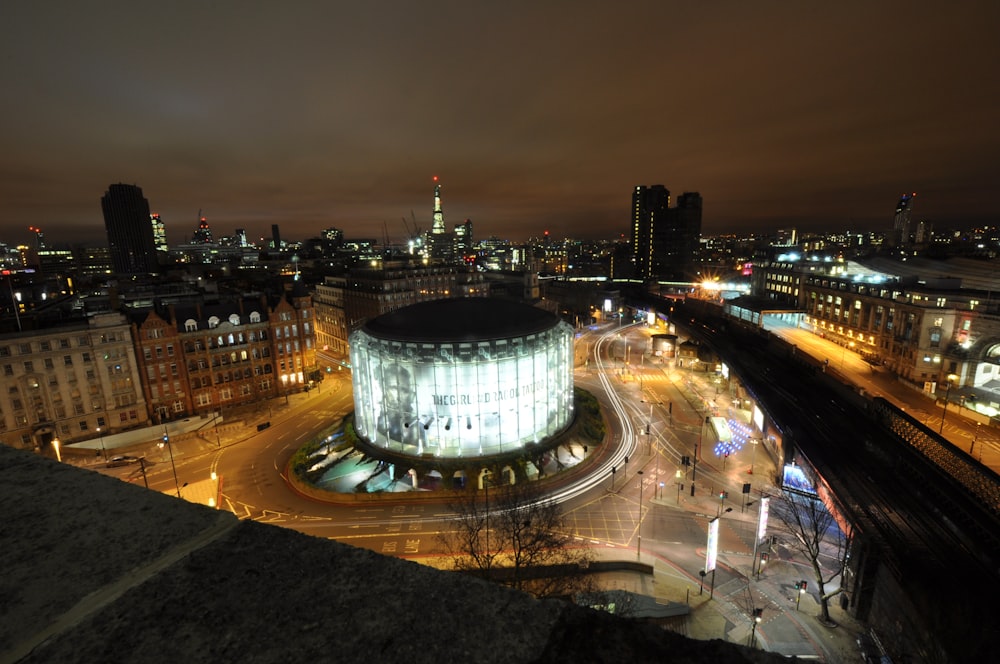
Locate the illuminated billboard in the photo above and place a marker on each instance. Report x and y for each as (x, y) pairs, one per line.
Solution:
(712, 548)
(793, 478)
(469, 392)
(758, 418)
(762, 517)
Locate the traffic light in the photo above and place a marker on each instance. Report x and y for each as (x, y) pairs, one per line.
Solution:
(685, 461)
(803, 585)
(798, 585)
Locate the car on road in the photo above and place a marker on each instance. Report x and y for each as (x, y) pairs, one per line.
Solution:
(121, 460)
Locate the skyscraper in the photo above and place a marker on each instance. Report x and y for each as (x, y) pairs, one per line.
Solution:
(159, 233)
(664, 239)
(902, 229)
(203, 234)
(441, 243)
(130, 233)
(463, 238)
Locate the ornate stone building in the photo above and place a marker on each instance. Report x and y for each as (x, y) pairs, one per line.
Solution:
(927, 329)
(204, 357)
(71, 382)
(344, 304)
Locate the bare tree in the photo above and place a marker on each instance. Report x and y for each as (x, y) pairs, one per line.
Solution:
(513, 535)
(811, 526)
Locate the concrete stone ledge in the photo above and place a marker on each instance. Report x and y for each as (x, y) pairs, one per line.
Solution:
(161, 580)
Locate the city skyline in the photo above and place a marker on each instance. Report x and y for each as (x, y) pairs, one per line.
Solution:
(534, 118)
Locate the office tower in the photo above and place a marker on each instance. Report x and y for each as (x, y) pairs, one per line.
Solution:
(901, 221)
(39, 237)
(683, 238)
(159, 233)
(204, 233)
(665, 239)
(649, 210)
(275, 237)
(786, 237)
(241, 238)
(463, 238)
(130, 234)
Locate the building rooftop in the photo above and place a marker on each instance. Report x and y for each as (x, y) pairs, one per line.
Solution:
(461, 319)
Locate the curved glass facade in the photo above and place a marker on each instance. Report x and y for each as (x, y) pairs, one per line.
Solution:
(462, 398)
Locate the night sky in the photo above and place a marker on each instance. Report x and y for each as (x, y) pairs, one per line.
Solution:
(535, 115)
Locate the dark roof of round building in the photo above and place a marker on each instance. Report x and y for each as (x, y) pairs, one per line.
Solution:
(461, 319)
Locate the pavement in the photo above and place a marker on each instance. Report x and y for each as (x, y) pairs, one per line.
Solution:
(790, 623)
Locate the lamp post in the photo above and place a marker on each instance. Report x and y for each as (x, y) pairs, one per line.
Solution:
(760, 564)
(753, 454)
(215, 424)
(843, 354)
(638, 544)
(753, 632)
(170, 449)
(975, 438)
(55, 444)
(947, 393)
(103, 450)
(486, 487)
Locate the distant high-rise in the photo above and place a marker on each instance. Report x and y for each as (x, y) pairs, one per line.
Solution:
(159, 232)
(203, 235)
(665, 239)
(275, 237)
(649, 208)
(440, 241)
(463, 238)
(902, 221)
(130, 233)
(786, 237)
(437, 226)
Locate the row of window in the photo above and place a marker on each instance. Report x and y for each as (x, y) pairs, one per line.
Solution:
(28, 347)
(48, 363)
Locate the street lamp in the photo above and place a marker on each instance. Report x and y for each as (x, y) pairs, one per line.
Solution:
(487, 473)
(753, 454)
(103, 450)
(55, 444)
(843, 354)
(947, 392)
(753, 632)
(638, 544)
(760, 565)
(170, 449)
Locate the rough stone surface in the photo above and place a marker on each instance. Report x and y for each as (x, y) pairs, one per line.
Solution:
(96, 570)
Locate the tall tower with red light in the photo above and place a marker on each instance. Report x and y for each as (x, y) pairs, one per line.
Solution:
(437, 228)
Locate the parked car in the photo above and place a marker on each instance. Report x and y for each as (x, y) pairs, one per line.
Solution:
(121, 460)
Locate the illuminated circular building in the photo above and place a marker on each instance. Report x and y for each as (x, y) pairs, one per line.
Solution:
(462, 377)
